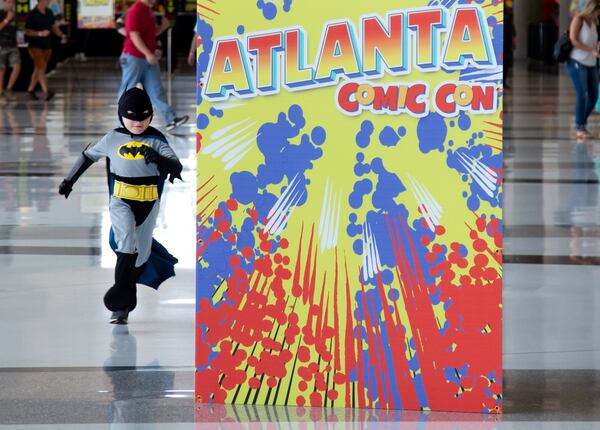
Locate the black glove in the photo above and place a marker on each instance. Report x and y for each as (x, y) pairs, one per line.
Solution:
(150, 155)
(173, 176)
(65, 188)
(166, 166)
(172, 168)
(81, 165)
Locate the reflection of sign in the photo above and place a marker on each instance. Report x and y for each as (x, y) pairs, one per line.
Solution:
(349, 204)
(96, 14)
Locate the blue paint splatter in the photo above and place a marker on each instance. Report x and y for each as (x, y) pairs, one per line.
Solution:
(282, 160)
(205, 32)
(388, 136)
(464, 121)
(318, 135)
(389, 186)
(361, 189)
(363, 138)
(432, 132)
(269, 10)
(489, 192)
(202, 121)
(216, 112)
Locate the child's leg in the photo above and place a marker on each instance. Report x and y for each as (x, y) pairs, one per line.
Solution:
(122, 295)
(123, 225)
(144, 235)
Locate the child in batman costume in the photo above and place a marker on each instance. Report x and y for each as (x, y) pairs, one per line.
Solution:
(139, 159)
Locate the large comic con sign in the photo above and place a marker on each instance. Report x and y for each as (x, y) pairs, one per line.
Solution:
(349, 236)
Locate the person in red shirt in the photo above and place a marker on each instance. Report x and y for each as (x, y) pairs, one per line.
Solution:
(139, 59)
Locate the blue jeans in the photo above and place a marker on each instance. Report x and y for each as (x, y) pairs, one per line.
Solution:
(137, 70)
(585, 80)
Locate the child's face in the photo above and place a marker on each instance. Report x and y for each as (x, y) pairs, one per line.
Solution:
(137, 127)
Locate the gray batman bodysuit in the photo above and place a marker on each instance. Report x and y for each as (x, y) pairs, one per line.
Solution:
(135, 186)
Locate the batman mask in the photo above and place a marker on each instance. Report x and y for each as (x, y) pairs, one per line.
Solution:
(135, 105)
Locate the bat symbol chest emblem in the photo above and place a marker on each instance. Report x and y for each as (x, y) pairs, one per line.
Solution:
(132, 150)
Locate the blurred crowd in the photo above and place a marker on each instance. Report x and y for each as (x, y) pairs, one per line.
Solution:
(141, 25)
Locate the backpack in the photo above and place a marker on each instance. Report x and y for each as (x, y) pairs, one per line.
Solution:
(562, 48)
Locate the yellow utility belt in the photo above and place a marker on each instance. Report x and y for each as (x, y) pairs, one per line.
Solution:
(140, 193)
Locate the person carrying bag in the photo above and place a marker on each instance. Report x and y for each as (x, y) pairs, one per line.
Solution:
(583, 64)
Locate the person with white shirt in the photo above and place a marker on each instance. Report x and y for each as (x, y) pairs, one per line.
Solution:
(583, 63)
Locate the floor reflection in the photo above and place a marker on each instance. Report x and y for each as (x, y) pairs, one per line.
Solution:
(584, 214)
(282, 417)
(135, 390)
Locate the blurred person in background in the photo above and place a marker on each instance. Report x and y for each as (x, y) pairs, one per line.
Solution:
(193, 46)
(139, 60)
(40, 24)
(9, 52)
(583, 64)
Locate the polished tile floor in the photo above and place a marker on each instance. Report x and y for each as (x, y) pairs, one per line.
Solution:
(63, 367)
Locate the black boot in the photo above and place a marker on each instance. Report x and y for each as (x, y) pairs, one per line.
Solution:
(119, 317)
(122, 295)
